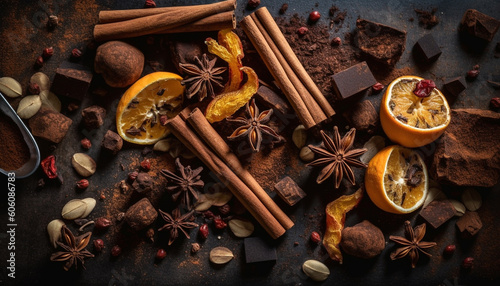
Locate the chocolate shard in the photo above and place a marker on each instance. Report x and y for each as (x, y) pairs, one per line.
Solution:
(112, 142)
(379, 42)
(271, 99)
(353, 81)
(469, 224)
(93, 116)
(363, 116)
(454, 86)
(289, 191)
(479, 25)
(468, 153)
(438, 212)
(141, 214)
(71, 80)
(49, 125)
(257, 250)
(427, 49)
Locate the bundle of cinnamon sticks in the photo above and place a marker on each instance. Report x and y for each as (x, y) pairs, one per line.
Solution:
(213, 151)
(120, 24)
(309, 103)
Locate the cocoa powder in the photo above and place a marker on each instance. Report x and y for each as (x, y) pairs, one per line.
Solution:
(15, 151)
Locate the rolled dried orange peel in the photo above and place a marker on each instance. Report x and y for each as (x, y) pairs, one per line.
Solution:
(335, 219)
(233, 97)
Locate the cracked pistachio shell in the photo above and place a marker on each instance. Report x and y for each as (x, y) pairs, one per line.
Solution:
(203, 203)
(316, 270)
(10, 87)
(29, 106)
(83, 164)
(299, 136)
(162, 145)
(459, 207)
(472, 199)
(42, 80)
(90, 206)
(306, 154)
(54, 231)
(221, 255)
(241, 228)
(74, 209)
(50, 100)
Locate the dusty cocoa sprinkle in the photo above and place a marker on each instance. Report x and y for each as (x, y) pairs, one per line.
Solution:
(427, 19)
(15, 150)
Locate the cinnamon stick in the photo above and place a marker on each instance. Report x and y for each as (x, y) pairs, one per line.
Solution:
(279, 74)
(217, 22)
(274, 31)
(313, 107)
(219, 146)
(156, 23)
(112, 16)
(181, 130)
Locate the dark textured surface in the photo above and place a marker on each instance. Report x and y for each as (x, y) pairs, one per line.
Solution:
(24, 36)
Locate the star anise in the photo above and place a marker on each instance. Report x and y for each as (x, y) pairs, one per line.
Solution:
(254, 126)
(337, 157)
(202, 77)
(184, 186)
(73, 249)
(412, 244)
(176, 222)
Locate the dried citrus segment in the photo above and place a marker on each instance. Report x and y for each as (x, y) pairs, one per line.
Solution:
(410, 120)
(232, 42)
(226, 104)
(396, 180)
(335, 219)
(141, 106)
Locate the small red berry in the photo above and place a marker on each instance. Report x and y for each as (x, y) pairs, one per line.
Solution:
(495, 102)
(253, 3)
(102, 223)
(86, 144)
(378, 86)
(472, 74)
(39, 61)
(98, 245)
(467, 263)
(161, 254)
(314, 16)
(208, 214)
(76, 53)
(315, 237)
(219, 223)
(150, 4)
(225, 209)
(449, 250)
(82, 184)
(48, 52)
(146, 165)
(116, 250)
(302, 31)
(34, 88)
(132, 176)
(337, 41)
(203, 231)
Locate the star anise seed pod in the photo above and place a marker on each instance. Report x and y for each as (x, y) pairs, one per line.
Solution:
(337, 157)
(176, 222)
(74, 249)
(202, 77)
(412, 244)
(254, 126)
(184, 186)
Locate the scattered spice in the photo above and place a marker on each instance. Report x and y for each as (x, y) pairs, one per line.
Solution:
(76, 53)
(47, 52)
(102, 223)
(495, 102)
(86, 144)
(74, 249)
(377, 87)
(315, 237)
(314, 16)
(283, 8)
(146, 165)
(202, 77)
(203, 231)
(82, 184)
(424, 88)
(150, 4)
(116, 251)
(337, 157)
(34, 88)
(337, 41)
(52, 22)
(302, 31)
(98, 245)
(427, 19)
(253, 4)
(176, 222)
(412, 243)
(220, 223)
(225, 209)
(161, 254)
(184, 187)
(132, 176)
(449, 250)
(254, 126)
(39, 62)
(49, 166)
(467, 263)
(195, 247)
(472, 74)
(15, 151)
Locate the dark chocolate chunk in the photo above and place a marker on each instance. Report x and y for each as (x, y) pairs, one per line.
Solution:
(455, 85)
(257, 250)
(479, 25)
(438, 212)
(289, 191)
(93, 116)
(141, 214)
(469, 224)
(143, 183)
(379, 42)
(353, 80)
(427, 49)
(363, 116)
(184, 50)
(71, 80)
(112, 142)
(271, 99)
(49, 125)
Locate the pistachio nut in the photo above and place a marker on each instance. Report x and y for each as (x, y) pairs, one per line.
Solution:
(162, 145)
(42, 80)
(50, 100)
(241, 228)
(10, 87)
(90, 206)
(83, 164)
(299, 136)
(459, 207)
(74, 209)
(472, 199)
(316, 270)
(203, 203)
(306, 154)
(221, 255)
(54, 229)
(29, 106)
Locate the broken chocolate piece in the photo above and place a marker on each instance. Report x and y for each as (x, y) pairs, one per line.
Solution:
(353, 81)
(427, 49)
(271, 99)
(463, 158)
(438, 212)
(141, 214)
(379, 42)
(257, 250)
(289, 191)
(71, 80)
(112, 142)
(143, 183)
(455, 86)
(93, 116)
(479, 25)
(184, 50)
(49, 125)
(469, 224)
(363, 116)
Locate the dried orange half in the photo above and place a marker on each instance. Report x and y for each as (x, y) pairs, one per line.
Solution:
(144, 103)
(410, 120)
(396, 180)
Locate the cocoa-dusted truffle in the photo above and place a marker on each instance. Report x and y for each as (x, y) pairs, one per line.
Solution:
(363, 240)
(112, 142)
(363, 116)
(50, 125)
(141, 214)
(119, 63)
(143, 183)
(93, 116)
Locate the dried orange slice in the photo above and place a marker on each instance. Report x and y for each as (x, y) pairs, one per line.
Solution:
(410, 120)
(144, 103)
(396, 180)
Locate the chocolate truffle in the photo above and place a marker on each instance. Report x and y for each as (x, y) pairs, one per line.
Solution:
(363, 240)
(141, 214)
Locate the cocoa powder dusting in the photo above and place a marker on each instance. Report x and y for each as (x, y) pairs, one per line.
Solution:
(15, 151)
